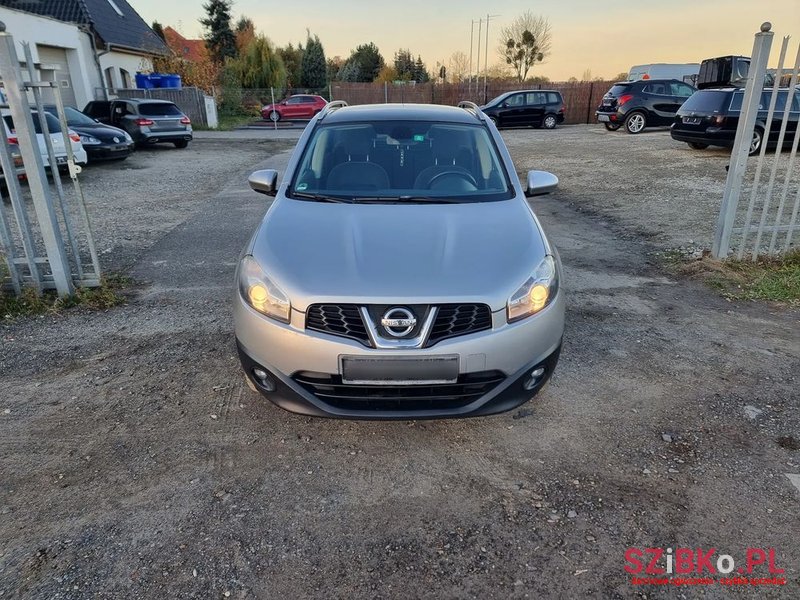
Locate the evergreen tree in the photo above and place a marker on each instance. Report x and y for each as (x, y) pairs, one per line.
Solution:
(220, 39)
(245, 33)
(369, 60)
(313, 70)
(349, 72)
(420, 72)
(158, 29)
(292, 60)
(404, 65)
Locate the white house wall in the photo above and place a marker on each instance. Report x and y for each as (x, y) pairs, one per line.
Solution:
(132, 63)
(34, 29)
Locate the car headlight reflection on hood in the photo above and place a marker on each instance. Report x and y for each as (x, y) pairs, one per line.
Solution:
(260, 292)
(536, 293)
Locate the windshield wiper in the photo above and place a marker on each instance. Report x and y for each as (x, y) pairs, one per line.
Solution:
(321, 198)
(408, 200)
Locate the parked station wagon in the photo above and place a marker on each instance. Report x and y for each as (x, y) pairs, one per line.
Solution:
(146, 121)
(536, 108)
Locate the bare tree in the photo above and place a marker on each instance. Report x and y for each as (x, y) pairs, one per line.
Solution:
(525, 42)
(459, 67)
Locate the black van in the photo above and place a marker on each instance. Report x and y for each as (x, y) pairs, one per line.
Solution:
(539, 108)
(710, 118)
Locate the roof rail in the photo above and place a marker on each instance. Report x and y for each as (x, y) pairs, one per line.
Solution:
(332, 106)
(473, 108)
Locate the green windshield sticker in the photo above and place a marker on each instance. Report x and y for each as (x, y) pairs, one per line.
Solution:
(419, 138)
(302, 186)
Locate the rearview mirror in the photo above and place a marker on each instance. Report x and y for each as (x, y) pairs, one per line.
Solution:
(540, 183)
(264, 182)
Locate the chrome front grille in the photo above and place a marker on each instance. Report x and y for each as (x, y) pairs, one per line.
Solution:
(347, 320)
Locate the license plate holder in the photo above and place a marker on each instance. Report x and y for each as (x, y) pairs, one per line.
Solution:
(399, 370)
(691, 120)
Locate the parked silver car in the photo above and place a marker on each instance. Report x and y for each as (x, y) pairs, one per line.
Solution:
(400, 271)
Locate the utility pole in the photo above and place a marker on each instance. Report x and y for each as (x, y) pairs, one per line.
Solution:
(486, 59)
(478, 70)
(471, 34)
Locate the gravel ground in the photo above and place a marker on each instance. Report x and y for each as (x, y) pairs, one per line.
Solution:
(136, 463)
(648, 183)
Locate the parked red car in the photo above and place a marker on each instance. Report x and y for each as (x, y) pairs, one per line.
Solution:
(300, 106)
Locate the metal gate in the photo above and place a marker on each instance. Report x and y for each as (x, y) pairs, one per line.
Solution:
(45, 235)
(760, 204)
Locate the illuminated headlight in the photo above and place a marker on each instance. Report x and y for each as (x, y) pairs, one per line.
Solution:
(536, 293)
(260, 292)
(88, 140)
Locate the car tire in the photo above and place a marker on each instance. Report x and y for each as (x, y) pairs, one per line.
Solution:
(182, 144)
(635, 122)
(549, 122)
(274, 116)
(758, 139)
(612, 126)
(697, 145)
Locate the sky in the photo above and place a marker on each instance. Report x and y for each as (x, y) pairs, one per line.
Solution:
(604, 37)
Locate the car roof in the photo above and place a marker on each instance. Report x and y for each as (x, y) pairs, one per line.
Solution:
(143, 100)
(400, 112)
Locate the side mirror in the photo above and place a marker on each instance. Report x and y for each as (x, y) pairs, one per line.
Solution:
(264, 182)
(540, 183)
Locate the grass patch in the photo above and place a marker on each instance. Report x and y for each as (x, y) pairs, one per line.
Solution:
(770, 278)
(229, 122)
(29, 303)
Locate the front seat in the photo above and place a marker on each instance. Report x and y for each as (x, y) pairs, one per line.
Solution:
(358, 176)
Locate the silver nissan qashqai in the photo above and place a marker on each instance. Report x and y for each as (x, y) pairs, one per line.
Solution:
(400, 272)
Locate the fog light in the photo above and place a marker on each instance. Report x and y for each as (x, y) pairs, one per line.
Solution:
(533, 380)
(264, 380)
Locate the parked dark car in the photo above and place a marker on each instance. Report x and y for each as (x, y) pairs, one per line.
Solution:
(101, 142)
(537, 108)
(641, 104)
(710, 118)
(146, 121)
(299, 106)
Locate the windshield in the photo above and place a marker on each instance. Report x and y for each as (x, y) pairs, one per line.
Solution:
(75, 118)
(498, 99)
(401, 161)
(159, 110)
(52, 123)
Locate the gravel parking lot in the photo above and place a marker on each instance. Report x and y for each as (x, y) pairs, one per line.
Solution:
(137, 464)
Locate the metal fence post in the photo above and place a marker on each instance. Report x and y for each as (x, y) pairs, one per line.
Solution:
(34, 167)
(741, 145)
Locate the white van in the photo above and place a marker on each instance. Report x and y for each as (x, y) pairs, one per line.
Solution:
(682, 72)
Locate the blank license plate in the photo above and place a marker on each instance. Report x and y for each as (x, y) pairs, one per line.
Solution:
(411, 370)
(691, 120)
(603, 118)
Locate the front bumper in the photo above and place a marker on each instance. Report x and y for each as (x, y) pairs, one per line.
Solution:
(494, 365)
(109, 151)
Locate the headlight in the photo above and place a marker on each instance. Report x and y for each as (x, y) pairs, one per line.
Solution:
(128, 137)
(260, 292)
(88, 140)
(536, 293)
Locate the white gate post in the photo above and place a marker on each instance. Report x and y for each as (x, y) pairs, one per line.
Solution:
(34, 167)
(741, 145)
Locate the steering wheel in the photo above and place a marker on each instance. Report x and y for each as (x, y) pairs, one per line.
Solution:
(464, 175)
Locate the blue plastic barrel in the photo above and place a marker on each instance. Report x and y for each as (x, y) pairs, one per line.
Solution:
(171, 81)
(143, 81)
(156, 80)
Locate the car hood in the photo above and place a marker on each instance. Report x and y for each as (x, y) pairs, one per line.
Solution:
(415, 253)
(104, 133)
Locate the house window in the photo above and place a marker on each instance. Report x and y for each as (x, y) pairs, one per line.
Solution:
(126, 79)
(110, 78)
(115, 7)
